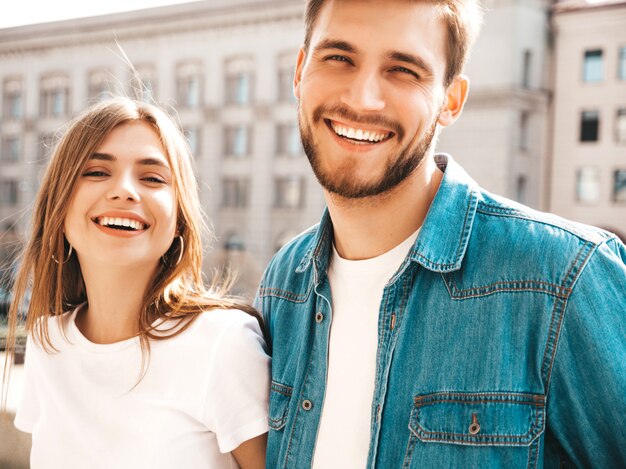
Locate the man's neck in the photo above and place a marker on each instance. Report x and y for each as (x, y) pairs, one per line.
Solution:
(368, 227)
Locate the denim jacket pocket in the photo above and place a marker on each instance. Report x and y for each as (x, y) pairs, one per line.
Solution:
(478, 419)
(280, 396)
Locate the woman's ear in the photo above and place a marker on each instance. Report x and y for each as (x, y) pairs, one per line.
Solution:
(456, 95)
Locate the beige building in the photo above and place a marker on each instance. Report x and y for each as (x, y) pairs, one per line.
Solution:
(502, 137)
(589, 150)
(226, 67)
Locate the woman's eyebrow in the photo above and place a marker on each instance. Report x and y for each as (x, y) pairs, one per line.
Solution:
(143, 162)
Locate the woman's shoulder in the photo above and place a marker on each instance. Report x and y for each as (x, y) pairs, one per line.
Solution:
(55, 324)
(226, 318)
(228, 323)
(221, 327)
(51, 332)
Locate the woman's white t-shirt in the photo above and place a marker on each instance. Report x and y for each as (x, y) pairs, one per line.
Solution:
(204, 393)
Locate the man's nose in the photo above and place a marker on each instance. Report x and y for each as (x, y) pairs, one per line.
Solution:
(364, 92)
(123, 188)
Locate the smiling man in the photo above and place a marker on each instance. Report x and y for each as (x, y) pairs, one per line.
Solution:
(425, 322)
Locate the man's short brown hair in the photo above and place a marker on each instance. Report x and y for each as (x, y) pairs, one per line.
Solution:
(462, 17)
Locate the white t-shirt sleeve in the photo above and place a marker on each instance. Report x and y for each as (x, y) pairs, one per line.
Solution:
(237, 399)
(28, 409)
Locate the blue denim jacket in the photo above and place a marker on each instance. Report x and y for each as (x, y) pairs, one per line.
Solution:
(501, 341)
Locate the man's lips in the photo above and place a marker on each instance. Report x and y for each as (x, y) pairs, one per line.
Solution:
(358, 134)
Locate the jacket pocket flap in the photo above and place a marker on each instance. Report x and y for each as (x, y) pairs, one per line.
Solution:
(501, 419)
(280, 395)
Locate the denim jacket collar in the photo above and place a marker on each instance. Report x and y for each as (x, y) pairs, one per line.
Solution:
(443, 238)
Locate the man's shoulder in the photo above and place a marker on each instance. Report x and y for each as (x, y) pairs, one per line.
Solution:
(514, 222)
(522, 243)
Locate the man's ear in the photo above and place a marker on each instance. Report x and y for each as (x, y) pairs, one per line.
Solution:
(456, 95)
(298, 75)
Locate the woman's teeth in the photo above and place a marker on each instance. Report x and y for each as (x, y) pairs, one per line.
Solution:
(121, 223)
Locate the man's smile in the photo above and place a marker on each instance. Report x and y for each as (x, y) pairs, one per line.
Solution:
(358, 134)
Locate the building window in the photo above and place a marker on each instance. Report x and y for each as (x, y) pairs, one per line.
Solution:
(288, 140)
(589, 126)
(239, 81)
(621, 68)
(193, 138)
(286, 71)
(98, 85)
(619, 185)
(11, 149)
(235, 192)
(289, 192)
(526, 68)
(521, 189)
(54, 96)
(8, 192)
(620, 126)
(144, 83)
(588, 185)
(523, 129)
(234, 242)
(188, 85)
(12, 97)
(237, 141)
(592, 67)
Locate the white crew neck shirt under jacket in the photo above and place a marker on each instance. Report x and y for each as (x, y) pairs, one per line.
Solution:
(356, 288)
(204, 393)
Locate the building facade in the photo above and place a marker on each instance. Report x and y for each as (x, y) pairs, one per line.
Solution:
(502, 137)
(589, 152)
(225, 67)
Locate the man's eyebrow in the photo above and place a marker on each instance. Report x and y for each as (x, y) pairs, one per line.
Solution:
(335, 44)
(142, 162)
(412, 60)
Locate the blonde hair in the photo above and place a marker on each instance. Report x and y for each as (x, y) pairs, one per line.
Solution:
(177, 291)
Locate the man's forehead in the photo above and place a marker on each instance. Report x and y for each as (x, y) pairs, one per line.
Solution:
(406, 26)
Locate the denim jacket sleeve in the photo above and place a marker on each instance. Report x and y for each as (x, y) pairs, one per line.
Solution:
(587, 393)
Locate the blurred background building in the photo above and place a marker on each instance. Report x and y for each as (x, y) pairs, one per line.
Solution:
(589, 142)
(545, 123)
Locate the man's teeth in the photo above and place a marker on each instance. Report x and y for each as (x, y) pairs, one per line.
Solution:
(358, 134)
(121, 222)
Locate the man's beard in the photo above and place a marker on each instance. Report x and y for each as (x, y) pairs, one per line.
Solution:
(397, 169)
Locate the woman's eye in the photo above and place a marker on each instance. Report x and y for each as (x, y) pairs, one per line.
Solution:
(154, 179)
(95, 173)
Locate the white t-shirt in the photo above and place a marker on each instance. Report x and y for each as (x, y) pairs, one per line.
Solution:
(205, 392)
(357, 288)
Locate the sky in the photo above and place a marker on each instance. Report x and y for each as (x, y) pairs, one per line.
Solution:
(22, 12)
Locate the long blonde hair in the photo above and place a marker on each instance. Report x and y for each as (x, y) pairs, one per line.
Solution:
(177, 292)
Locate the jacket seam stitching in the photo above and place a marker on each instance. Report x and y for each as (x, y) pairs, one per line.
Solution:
(500, 286)
(463, 437)
(284, 294)
(486, 209)
(560, 308)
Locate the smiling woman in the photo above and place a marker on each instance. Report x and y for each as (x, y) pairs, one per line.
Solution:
(142, 365)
